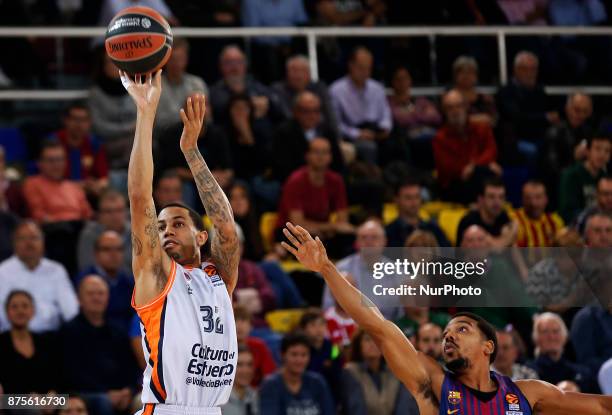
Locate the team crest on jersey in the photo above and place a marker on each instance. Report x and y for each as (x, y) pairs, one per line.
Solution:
(454, 397)
(211, 271)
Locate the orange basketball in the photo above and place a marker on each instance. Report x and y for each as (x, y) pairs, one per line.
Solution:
(138, 40)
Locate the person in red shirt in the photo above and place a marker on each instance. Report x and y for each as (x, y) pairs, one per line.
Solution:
(312, 195)
(465, 152)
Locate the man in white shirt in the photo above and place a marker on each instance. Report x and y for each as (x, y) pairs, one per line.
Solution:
(48, 282)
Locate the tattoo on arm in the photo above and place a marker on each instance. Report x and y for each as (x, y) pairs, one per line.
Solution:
(151, 227)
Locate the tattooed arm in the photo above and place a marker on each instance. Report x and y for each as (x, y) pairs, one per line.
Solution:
(225, 247)
(150, 264)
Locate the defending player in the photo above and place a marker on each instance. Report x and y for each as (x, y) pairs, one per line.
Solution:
(469, 345)
(189, 336)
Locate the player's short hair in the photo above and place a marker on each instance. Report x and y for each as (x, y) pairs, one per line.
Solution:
(311, 315)
(486, 328)
(15, 293)
(196, 218)
(294, 339)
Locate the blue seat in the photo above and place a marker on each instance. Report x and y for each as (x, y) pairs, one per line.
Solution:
(14, 145)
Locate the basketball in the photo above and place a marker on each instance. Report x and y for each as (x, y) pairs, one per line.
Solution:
(138, 40)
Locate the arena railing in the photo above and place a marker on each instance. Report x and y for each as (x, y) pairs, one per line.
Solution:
(312, 34)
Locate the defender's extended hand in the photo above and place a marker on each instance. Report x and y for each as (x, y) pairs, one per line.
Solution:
(310, 252)
(144, 91)
(193, 119)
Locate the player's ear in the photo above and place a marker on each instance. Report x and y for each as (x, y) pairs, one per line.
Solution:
(489, 347)
(201, 238)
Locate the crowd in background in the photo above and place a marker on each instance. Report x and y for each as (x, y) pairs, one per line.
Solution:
(359, 162)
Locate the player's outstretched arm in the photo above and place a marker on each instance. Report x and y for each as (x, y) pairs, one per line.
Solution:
(225, 248)
(547, 399)
(413, 368)
(150, 265)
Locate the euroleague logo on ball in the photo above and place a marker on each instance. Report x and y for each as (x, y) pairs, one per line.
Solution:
(146, 23)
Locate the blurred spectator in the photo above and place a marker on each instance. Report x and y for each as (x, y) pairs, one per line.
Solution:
(591, 335)
(491, 215)
(245, 215)
(481, 107)
(263, 362)
(168, 189)
(603, 195)
(361, 106)
(550, 337)
(524, 12)
(578, 182)
(409, 202)
(177, 85)
(112, 215)
(416, 117)
(76, 406)
(340, 326)
(110, 265)
(11, 195)
(291, 139)
(297, 80)
(507, 356)
(86, 158)
(111, 7)
(536, 227)
(414, 317)
(368, 386)
(46, 280)
(293, 389)
(350, 12)
(605, 378)
(312, 194)
(598, 231)
(243, 400)
(465, 152)
(27, 359)
(429, 340)
(105, 383)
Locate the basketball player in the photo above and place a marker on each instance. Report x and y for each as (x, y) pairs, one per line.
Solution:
(467, 386)
(184, 305)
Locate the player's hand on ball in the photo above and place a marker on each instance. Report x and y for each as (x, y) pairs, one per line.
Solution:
(310, 252)
(145, 90)
(193, 119)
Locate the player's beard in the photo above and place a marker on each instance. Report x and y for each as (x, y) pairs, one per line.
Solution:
(457, 365)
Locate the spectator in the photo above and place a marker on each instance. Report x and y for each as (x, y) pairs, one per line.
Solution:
(27, 359)
(490, 214)
(111, 7)
(550, 337)
(465, 152)
(263, 362)
(109, 264)
(245, 215)
(416, 117)
(340, 325)
(361, 106)
(524, 12)
(415, 317)
(312, 194)
(46, 280)
(536, 227)
(293, 389)
(409, 202)
(368, 386)
(243, 400)
(168, 189)
(290, 141)
(76, 406)
(603, 195)
(297, 80)
(112, 215)
(591, 336)
(598, 232)
(11, 195)
(507, 356)
(429, 340)
(349, 12)
(481, 107)
(578, 182)
(106, 382)
(87, 163)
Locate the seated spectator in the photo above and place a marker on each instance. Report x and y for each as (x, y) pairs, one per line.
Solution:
(11, 194)
(297, 80)
(107, 380)
(112, 215)
(409, 201)
(109, 264)
(76, 406)
(245, 215)
(416, 117)
(263, 362)
(340, 325)
(111, 7)
(361, 106)
(86, 158)
(603, 202)
(415, 317)
(598, 233)
(550, 337)
(591, 335)
(368, 386)
(293, 389)
(429, 340)
(349, 13)
(465, 152)
(490, 214)
(507, 356)
(46, 280)
(578, 182)
(291, 139)
(481, 107)
(312, 194)
(536, 227)
(168, 189)
(243, 400)
(28, 360)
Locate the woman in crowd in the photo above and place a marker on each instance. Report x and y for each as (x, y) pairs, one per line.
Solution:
(481, 107)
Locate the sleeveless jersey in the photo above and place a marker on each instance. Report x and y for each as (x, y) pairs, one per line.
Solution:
(457, 399)
(189, 340)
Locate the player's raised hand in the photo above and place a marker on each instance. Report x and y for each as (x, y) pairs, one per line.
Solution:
(193, 119)
(144, 90)
(310, 252)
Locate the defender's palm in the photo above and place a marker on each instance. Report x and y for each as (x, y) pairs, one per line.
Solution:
(310, 252)
(193, 119)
